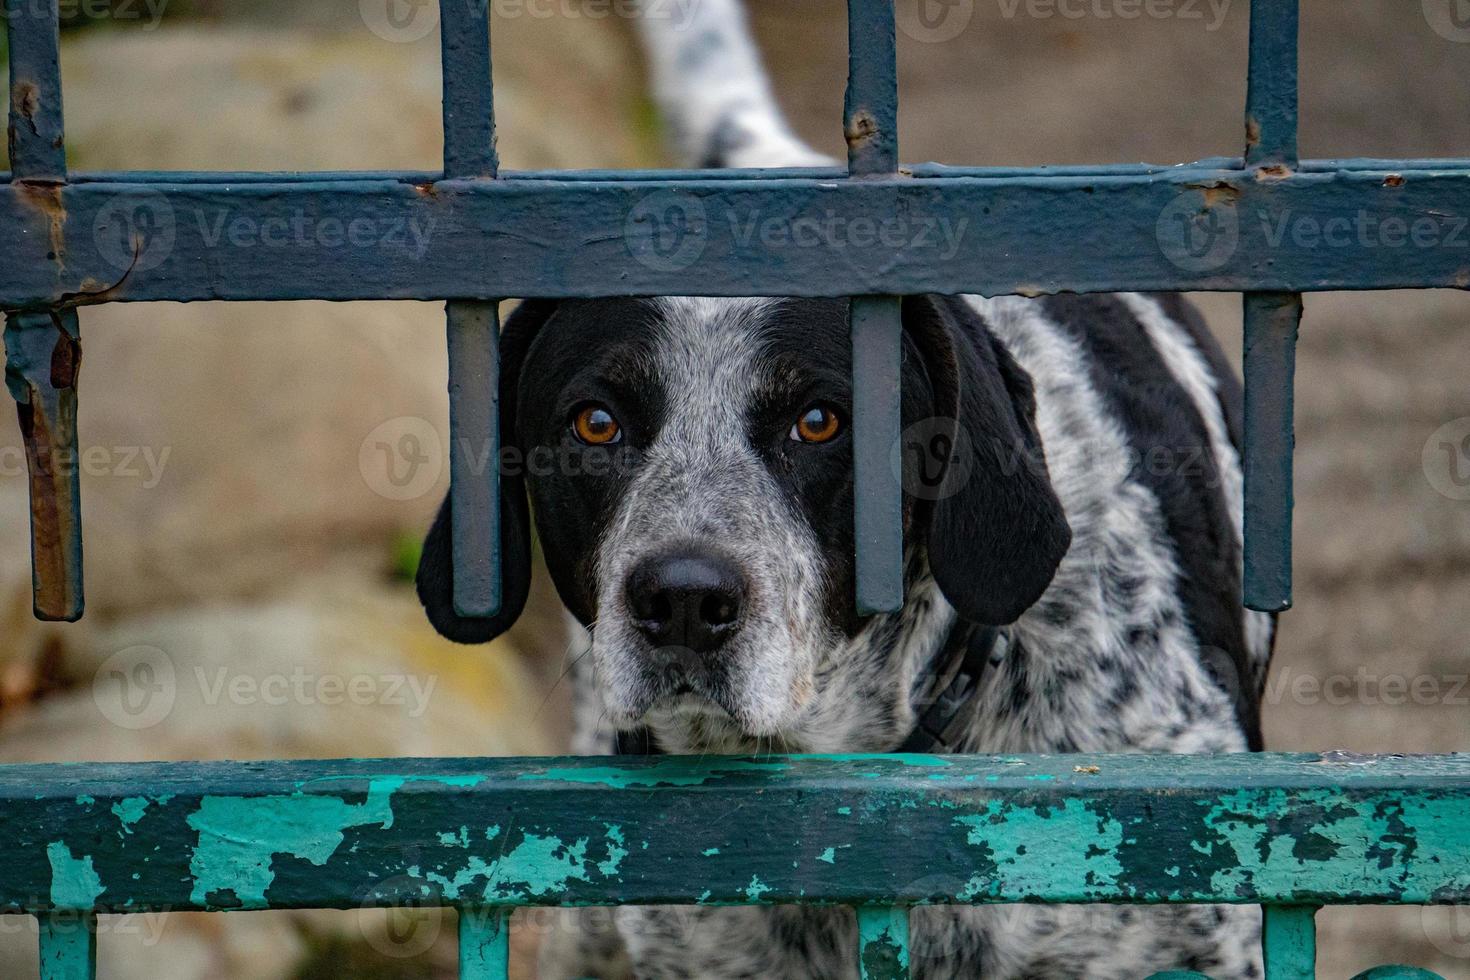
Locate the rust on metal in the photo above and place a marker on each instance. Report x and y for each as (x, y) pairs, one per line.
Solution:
(25, 99)
(1217, 192)
(45, 197)
(44, 358)
(861, 128)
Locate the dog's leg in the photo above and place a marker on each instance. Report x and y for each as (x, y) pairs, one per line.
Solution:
(778, 943)
(712, 89)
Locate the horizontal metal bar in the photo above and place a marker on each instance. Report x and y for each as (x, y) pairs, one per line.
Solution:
(1331, 165)
(1221, 230)
(872, 829)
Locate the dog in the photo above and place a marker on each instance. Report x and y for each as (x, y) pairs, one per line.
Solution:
(1072, 584)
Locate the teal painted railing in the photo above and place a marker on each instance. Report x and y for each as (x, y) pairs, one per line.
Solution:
(881, 833)
(1291, 833)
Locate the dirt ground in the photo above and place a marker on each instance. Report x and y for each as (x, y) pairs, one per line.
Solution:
(1374, 657)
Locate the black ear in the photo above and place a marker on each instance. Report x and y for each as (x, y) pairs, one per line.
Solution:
(996, 529)
(436, 566)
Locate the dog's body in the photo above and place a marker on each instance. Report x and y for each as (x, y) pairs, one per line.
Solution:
(1094, 516)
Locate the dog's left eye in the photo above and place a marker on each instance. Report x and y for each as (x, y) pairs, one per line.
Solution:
(596, 426)
(819, 423)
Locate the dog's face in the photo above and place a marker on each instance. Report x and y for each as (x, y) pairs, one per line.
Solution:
(689, 464)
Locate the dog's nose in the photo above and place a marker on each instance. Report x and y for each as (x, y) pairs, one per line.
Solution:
(689, 600)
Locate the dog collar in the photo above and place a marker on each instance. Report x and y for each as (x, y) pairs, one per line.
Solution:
(947, 687)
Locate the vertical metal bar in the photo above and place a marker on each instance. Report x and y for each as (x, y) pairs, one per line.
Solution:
(1271, 320)
(484, 943)
(871, 127)
(474, 454)
(877, 498)
(871, 104)
(883, 942)
(1271, 90)
(1289, 942)
(68, 946)
(473, 325)
(43, 350)
(35, 128)
(42, 361)
(469, 102)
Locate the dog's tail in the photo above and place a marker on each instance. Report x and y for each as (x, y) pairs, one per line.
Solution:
(712, 89)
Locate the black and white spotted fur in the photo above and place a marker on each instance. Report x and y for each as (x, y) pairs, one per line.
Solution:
(1099, 523)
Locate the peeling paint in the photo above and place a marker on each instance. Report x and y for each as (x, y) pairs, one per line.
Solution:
(74, 881)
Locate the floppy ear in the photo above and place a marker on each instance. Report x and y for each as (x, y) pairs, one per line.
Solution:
(436, 566)
(996, 530)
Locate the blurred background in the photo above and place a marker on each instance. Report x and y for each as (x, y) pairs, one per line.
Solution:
(257, 477)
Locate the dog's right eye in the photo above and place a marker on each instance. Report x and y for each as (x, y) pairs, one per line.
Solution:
(595, 426)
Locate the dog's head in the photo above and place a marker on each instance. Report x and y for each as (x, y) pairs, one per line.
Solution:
(689, 465)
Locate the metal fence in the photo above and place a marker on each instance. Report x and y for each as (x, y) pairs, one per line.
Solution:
(486, 836)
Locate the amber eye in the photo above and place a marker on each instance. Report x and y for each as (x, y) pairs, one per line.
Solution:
(818, 423)
(595, 426)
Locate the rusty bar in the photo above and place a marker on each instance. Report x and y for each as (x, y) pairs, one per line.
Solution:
(1271, 322)
(1271, 94)
(34, 131)
(871, 107)
(43, 358)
